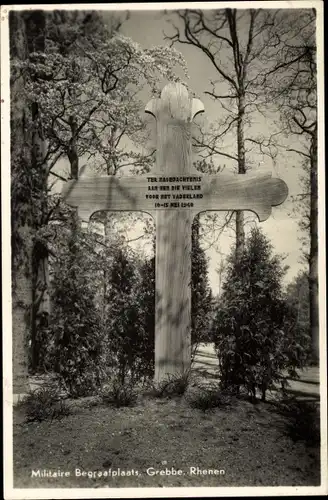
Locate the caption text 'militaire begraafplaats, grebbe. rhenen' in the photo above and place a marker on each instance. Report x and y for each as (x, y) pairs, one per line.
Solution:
(108, 473)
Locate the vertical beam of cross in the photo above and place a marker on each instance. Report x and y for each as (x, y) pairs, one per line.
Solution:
(174, 113)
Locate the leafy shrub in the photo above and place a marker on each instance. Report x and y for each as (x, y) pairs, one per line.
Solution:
(129, 319)
(43, 404)
(254, 329)
(76, 320)
(302, 419)
(84, 384)
(208, 398)
(173, 385)
(119, 394)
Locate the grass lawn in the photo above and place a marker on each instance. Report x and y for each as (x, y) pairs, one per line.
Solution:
(249, 442)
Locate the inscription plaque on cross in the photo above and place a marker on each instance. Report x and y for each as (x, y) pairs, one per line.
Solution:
(173, 193)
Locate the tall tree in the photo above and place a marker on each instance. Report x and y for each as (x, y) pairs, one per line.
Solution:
(292, 84)
(232, 41)
(40, 270)
(27, 188)
(27, 41)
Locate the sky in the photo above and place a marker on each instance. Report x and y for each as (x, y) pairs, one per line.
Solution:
(148, 28)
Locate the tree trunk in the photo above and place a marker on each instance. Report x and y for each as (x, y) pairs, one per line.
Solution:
(313, 256)
(21, 221)
(194, 246)
(73, 158)
(72, 152)
(41, 302)
(21, 314)
(240, 234)
(240, 230)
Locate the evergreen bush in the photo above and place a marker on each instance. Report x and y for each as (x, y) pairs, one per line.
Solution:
(254, 328)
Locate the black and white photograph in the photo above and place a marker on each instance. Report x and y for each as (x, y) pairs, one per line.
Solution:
(163, 191)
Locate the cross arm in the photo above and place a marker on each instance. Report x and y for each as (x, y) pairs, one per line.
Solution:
(95, 194)
(257, 192)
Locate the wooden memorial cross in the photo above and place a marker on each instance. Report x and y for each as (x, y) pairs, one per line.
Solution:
(173, 193)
